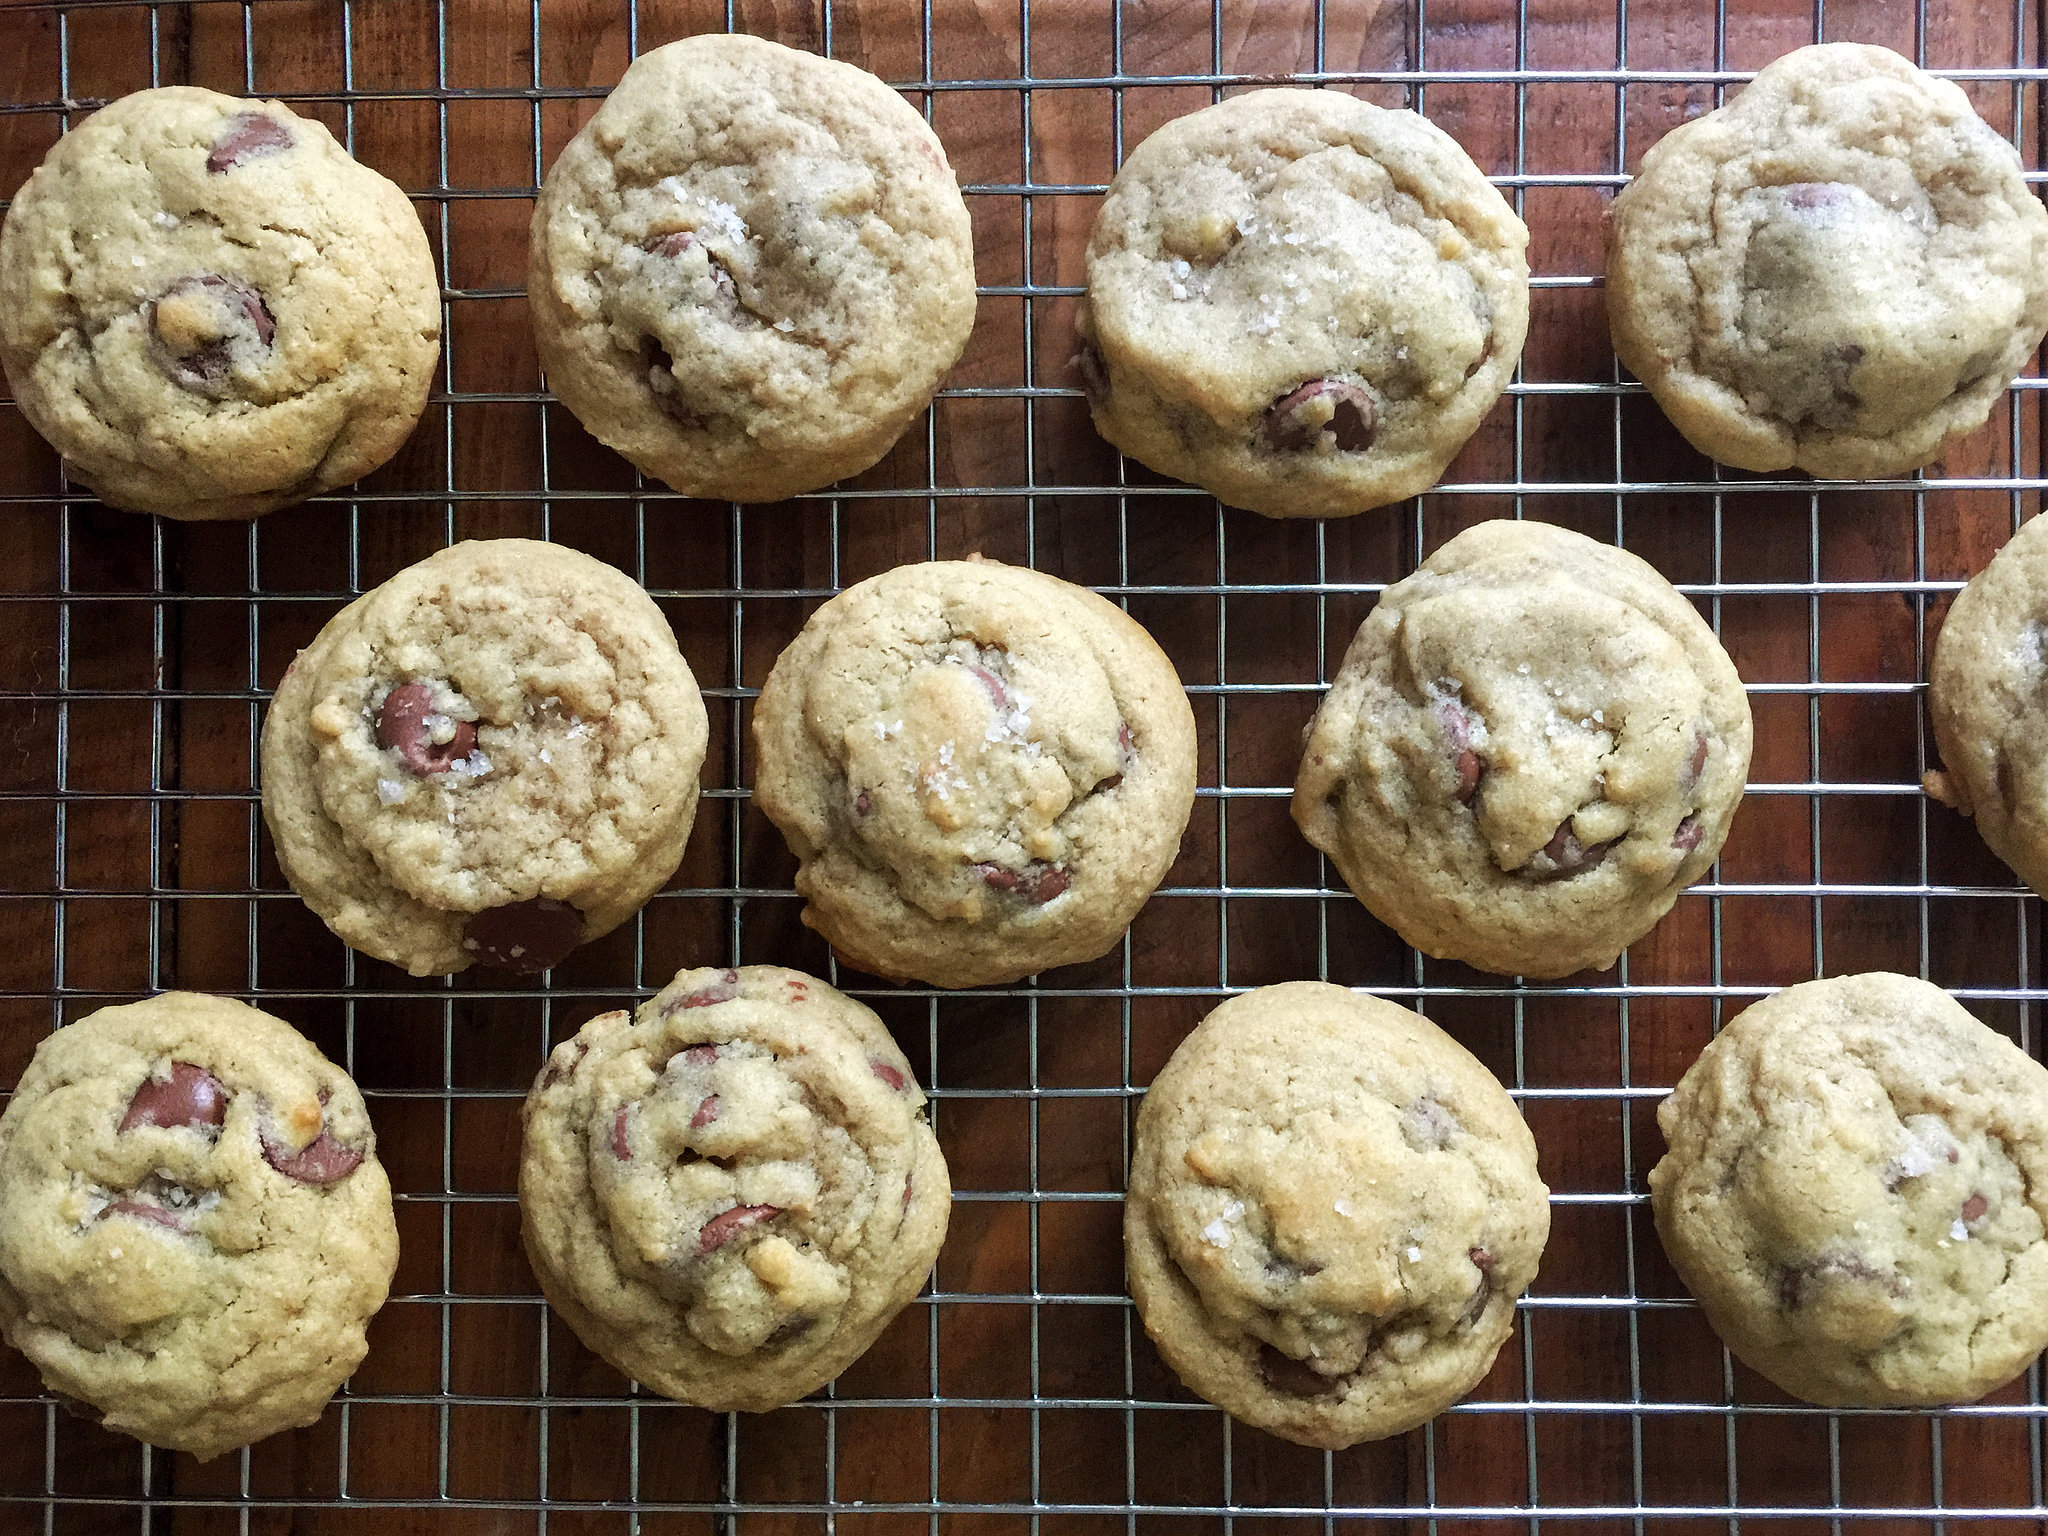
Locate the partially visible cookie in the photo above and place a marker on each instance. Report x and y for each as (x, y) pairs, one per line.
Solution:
(210, 310)
(1985, 691)
(194, 1228)
(1301, 302)
(1855, 1191)
(1839, 271)
(1534, 744)
(492, 758)
(729, 1194)
(1332, 1210)
(983, 770)
(751, 268)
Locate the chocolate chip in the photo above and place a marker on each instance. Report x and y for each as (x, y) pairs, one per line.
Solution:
(1038, 882)
(1698, 764)
(1298, 419)
(1457, 719)
(195, 324)
(190, 1096)
(887, 1073)
(1688, 835)
(723, 990)
(1284, 1373)
(661, 379)
(1565, 856)
(1481, 1259)
(526, 937)
(699, 1055)
(863, 804)
(622, 1144)
(1476, 1307)
(1127, 754)
(1974, 1209)
(1793, 1279)
(144, 1210)
(323, 1160)
(247, 136)
(559, 1071)
(674, 244)
(794, 1328)
(402, 727)
(706, 1113)
(728, 1224)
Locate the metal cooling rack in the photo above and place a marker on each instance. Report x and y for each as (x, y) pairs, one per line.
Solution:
(428, 1438)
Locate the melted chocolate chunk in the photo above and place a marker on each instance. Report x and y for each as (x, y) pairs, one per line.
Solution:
(1564, 856)
(1974, 1209)
(723, 990)
(402, 727)
(706, 1113)
(1816, 194)
(190, 1096)
(247, 136)
(887, 1073)
(1295, 421)
(1089, 369)
(728, 1224)
(1038, 882)
(526, 937)
(1298, 1378)
(195, 323)
(1688, 835)
(323, 1160)
(622, 1143)
(1794, 1279)
(144, 1210)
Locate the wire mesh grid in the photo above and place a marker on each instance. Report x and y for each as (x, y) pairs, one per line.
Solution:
(1018, 1390)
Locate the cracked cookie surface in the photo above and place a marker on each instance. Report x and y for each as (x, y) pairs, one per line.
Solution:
(1985, 697)
(1301, 302)
(1853, 1193)
(1533, 746)
(730, 1193)
(194, 1227)
(491, 757)
(751, 269)
(1332, 1210)
(1839, 271)
(983, 770)
(211, 310)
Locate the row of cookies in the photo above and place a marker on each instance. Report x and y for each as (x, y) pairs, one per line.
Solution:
(1331, 1214)
(752, 268)
(1533, 746)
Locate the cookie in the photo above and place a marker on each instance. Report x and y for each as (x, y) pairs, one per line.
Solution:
(194, 1228)
(1855, 1192)
(730, 1193)
(210, 310)
(1839, 271)
(492, 758)
(1332, 1210)
(751, 268)
(1301, 302)
(984, 771)
(1534, 744)
(1984, 696)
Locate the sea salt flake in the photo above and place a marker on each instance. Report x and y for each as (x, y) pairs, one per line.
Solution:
(1343, 1208)
(1216, 1235)
(785, 325)
(163, 220)
(390, 791)
(1414, 1254)
(1959, 1233)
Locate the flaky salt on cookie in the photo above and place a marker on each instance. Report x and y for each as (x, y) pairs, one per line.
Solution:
(492, 758)
(1301, 302)
(730, 1193)
(1854, 1192)
(1333, 1208)
(751, 269)
(211, 310)
(194, 1228)
(983, 770)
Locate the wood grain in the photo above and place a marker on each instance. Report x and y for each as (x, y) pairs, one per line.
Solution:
(133, 686)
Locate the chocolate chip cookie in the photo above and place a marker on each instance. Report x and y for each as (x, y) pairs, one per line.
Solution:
(1301, 302)
(1839, 271)
(1985, 698)
(1333, 1208)
(729, 1194)
(194, 1228)
(983, 770)
(1533, 746)
(1855, 1191)
(751, 268)
(491, 758)
(210, 310)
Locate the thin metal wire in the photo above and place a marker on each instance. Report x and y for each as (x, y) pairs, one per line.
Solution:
(62, 1497)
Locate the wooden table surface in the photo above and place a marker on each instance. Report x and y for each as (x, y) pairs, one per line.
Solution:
(137, 656)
